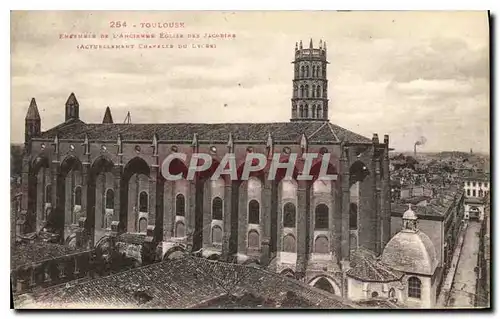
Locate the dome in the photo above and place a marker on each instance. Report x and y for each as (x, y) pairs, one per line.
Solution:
(411, 252)
(409, 214)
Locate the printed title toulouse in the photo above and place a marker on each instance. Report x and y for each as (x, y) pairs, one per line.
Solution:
(254, 162)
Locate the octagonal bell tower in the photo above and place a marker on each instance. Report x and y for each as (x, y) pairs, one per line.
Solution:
(310, 86)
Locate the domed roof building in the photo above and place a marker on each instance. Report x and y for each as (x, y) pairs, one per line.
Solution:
(411, 250)
(406, 272)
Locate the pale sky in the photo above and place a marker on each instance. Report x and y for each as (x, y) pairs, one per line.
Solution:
(407, 74)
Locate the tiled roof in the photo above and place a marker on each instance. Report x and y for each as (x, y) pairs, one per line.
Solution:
(365, 267)
(27, 253)
(285, 131)
(180, 283)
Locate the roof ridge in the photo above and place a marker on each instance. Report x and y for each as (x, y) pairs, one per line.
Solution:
(313, 133)
(331, 129)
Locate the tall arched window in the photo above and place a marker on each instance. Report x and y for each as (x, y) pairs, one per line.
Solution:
(318, 71)
(253, 239)
(468, 192)
(414, 287)
(313, 90)
(253, 212)
(143, 202)
(302, 71)
(306, 88)
(318, 112)
(474, 193)
(306, 110)
(216, 235)
(179, 205)
(78, 195)
(289, 215)
(48, 193)
(217, 208)
(110, 199)
(307, 71)
(353, 216)
(318, 91)
(301, 91)
(313, 70)
(289, 244)
(321, 217)
(301, 111)
(314, 110)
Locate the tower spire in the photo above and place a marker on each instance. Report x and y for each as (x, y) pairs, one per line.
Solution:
(32, 113)
(108, 119)
(32, 122)
(311, 44)
(72, 108)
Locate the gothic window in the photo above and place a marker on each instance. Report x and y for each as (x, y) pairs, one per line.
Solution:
(474, 193)
(180, 229)
(143, 225)
(253, 239)
(318, 70)
(302, 91)
(318, 112)
(301, 111)
(289, 244)
(321, 245)
(216, 235)
(295, 90)
(468, 192)
(353, 216)
(321, 217)
(318, 91)
(414, 287)
(307, 71)
(179, 205)
(217, 208)
(313, 70)
(306, 88)
(313, 90)
(143, 202)
(253, 212)
(78, 195)
(289, 215)
(110, 199)
(306, 110)
(302, 71)
(325, 285)
(48, 193)
(314, 110)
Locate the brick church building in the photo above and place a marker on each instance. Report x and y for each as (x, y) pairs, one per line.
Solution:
(88, 182)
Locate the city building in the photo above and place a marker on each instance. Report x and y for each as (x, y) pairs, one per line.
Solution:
(90, 182)
(477, 187)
